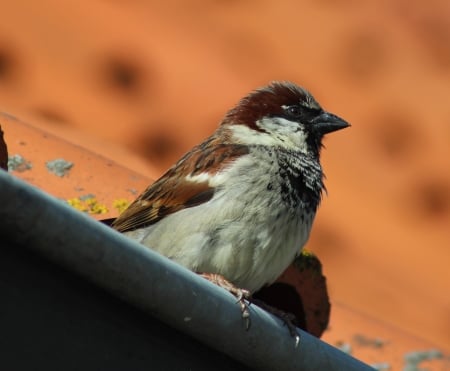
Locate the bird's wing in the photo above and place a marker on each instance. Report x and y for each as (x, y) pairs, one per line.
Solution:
(184, 185)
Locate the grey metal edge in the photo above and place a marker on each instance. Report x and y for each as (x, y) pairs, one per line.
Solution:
(161, 288)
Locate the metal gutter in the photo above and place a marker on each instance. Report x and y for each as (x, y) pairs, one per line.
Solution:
(34, 220)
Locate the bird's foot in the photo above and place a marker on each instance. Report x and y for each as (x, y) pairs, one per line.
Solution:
(243, 296)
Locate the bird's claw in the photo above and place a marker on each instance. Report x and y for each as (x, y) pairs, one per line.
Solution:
(243, 296)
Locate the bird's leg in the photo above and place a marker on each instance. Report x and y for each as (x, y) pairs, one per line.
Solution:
(240, 294)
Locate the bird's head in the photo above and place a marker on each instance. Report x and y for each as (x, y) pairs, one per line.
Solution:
(281, 114)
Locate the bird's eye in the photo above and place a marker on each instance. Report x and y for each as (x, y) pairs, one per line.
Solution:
(293, 110)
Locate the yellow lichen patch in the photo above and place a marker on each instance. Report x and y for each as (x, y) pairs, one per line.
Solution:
(76, 203)
(88, 205)
(95, 207)
(121, 204)
(306, 253)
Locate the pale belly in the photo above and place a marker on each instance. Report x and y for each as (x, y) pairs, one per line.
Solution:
(250, 251)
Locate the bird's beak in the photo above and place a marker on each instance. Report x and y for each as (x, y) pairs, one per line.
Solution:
(327, 122)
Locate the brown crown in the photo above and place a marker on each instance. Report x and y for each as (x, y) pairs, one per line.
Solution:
(267, 101)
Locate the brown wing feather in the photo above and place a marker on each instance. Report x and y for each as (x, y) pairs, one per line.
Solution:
(172, 192)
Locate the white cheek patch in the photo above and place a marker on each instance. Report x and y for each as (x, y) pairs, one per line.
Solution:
(290, 134)
(279, 132)
(278, 124)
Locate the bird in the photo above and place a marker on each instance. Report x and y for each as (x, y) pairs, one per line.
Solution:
(239, 207)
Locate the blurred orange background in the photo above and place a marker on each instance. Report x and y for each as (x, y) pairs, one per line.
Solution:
(142, 81)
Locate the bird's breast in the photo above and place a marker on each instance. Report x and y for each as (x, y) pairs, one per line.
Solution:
(258, 232)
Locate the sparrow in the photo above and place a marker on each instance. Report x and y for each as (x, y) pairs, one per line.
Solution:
(239, 207)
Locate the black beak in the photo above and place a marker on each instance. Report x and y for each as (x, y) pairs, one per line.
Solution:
(327, 122)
